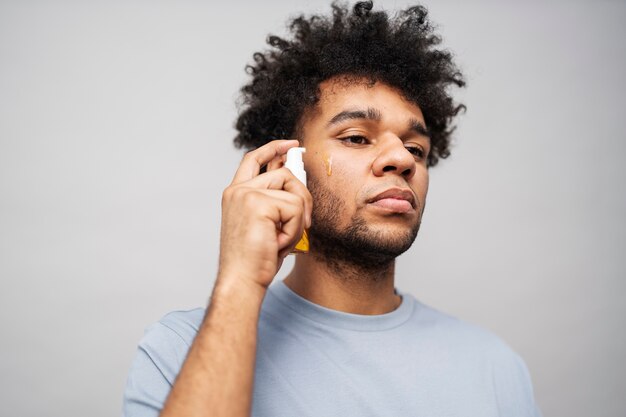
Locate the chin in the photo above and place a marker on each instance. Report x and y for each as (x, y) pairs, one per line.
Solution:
(390, 240)
(396, 231)
(366, 239)
(362, 243)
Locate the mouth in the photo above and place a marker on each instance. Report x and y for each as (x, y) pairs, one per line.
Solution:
(398, 200)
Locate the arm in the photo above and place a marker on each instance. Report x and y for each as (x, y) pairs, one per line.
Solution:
(216, 378)
(262, 219)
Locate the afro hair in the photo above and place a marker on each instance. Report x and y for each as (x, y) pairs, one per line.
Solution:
(401, 52)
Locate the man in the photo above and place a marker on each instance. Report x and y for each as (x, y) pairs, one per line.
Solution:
(367, 97)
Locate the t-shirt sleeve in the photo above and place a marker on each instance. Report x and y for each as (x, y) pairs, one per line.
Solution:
(159, 357)
(515, 395)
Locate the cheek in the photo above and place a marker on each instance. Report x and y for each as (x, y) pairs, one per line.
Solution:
(336, 177)
(423, 182)
(420, 185)
(318, 164)
(346, 183)
(324, 165)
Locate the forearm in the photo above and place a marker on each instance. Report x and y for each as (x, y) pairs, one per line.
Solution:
(217, 376)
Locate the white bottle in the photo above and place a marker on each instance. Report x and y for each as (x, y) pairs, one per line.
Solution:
(295, 164)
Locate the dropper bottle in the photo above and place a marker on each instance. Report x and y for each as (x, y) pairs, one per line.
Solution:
(295, 164)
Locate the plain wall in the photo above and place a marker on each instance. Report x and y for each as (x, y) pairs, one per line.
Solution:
(115, 143)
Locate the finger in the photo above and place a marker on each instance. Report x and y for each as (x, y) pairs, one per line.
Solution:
(253, 161)
(290, 231)
(285, 210)
(276, 163)
(282, 255)
(283, 179)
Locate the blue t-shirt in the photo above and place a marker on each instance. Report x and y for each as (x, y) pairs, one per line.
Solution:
(313, 361)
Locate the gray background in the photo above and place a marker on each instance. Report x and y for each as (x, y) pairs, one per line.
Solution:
(115, 134)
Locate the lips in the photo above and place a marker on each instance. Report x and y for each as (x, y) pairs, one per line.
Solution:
(395, 199)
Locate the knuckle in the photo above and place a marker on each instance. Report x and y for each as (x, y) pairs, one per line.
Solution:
(227, 194)
(250, 198)
(291, 206)
(250, 155)
(234, 193)
(301, 201)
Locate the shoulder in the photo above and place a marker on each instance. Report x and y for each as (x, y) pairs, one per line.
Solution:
(474, 349)
(466, 339)
(160, 355)
(184, 324)
(455, 330)
(177, 327)
(167, 341)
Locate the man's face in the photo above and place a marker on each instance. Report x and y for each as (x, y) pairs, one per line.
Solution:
(366, 164)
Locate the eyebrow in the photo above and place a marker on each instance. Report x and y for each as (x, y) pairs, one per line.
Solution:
(369, 114)
(374, 114)
(419, 128)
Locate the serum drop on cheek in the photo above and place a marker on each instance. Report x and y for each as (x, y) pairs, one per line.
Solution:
(296, 166)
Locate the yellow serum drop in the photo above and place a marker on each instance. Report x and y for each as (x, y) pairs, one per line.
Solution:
(295, 164)
(328, 163)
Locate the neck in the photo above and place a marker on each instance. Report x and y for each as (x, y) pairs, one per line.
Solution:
(344, 287)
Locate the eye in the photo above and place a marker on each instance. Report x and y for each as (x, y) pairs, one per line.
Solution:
(416, 151)
(355, 140)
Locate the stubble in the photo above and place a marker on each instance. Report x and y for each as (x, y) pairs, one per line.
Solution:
(355, 248)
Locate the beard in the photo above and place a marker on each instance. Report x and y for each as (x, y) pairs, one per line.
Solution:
(356, 246)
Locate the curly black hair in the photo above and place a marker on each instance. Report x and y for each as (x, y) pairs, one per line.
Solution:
(400, 52)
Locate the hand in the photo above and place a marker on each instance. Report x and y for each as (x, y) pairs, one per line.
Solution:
(263, 216)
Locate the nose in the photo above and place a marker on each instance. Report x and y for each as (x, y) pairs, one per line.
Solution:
(394, 158)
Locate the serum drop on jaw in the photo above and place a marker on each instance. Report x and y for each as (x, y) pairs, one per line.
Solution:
(296, 166)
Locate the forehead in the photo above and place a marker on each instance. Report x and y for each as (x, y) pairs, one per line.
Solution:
(343, 93)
